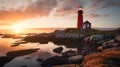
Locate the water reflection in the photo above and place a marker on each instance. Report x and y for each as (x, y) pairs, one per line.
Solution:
(46, 51)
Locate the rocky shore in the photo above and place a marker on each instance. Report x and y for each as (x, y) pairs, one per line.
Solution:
(94, 47)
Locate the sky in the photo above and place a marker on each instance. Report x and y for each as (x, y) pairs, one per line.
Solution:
(58, 13)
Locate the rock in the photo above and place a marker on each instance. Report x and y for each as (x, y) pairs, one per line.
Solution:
(94, 38)
(117, 38)
(97, 37)
(21, 52)
(102, 41)
(115, 44)
(5, 59)
(100, 48)
(86, 39)
(58, 50)
(55, 60)
(85, 52)
(77, 57)
(24, 66)
(107, 47)
(39, 59)
(15, 44)
(41, 38)
(27, 57)
(108, 42)
(68, 54)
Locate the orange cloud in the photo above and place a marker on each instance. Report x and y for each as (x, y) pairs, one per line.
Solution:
(38, 8)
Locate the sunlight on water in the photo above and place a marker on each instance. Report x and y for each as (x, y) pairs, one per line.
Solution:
(45, 51)
(29, 30)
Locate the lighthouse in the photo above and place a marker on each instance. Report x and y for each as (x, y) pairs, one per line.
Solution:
(80, 19)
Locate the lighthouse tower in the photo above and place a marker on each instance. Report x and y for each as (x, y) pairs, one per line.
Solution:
(80, 19)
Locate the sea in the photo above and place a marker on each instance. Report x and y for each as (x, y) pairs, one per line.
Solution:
(45, 50)
(30, 30)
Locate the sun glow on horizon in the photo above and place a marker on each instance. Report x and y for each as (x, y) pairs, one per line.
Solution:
(18, 28)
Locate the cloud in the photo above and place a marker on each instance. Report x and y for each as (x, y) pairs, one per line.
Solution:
(100, 4)
(11, 15)
(25, 9)
(40, 8)
(15, 10)
(34, 9)
(66, 7)
(93, 15)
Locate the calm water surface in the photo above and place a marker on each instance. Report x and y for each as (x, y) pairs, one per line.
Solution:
(46, 51)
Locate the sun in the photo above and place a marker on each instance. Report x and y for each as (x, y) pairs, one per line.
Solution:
(18, 28)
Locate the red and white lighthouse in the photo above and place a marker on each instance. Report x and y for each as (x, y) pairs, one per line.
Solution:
(80, 19)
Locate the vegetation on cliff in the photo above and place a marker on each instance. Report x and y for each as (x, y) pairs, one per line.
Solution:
(106, 58)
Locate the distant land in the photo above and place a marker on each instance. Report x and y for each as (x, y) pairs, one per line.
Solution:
(45, 30)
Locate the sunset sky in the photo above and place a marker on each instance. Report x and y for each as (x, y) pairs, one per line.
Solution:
(58, 13)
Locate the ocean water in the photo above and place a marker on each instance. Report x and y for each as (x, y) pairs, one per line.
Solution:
(45, 50)
(32, 30)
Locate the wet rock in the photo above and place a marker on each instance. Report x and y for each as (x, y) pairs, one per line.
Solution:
(5, 59)
(21, 52)
(39, 59)
(53, 61)
(76, 59)
(58, 50)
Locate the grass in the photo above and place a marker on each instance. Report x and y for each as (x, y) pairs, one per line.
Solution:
(67, 65)
(90, 31)
(99, 59)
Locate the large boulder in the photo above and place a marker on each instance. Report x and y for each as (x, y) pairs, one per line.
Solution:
(53, 61)
(21, 52)
(109, 42)
(76, 59)
(97, 37)
(94, 38)
(5, 59)
(115, 44)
